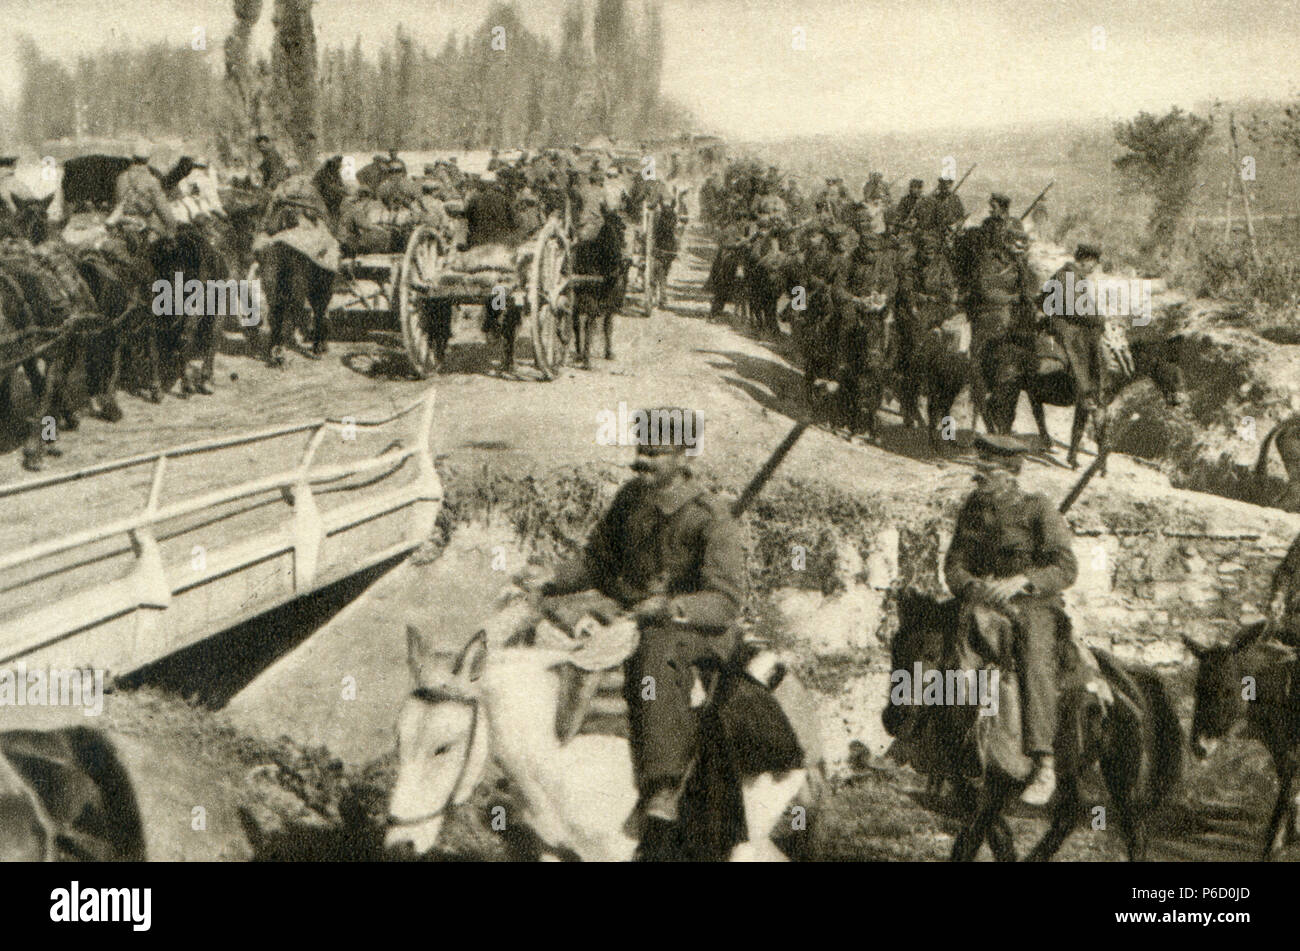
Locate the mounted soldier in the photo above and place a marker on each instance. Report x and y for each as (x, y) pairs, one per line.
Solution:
(866, 289)
(1011, 555)
(1080, 333)
(670, 552)
(272, 169)
(1001, 298)
(905, 212)
(141, 217)
(942, 212)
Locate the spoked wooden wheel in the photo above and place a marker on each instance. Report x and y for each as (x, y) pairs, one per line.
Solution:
(548, 297)
(416, 281)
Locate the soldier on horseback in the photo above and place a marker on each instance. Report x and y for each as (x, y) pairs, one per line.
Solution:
(904, 217)
(1011, 552)
(1001, 299)
(141, 215)
(1079, 329)
(272, 169)
(669, 551)
(942, 212)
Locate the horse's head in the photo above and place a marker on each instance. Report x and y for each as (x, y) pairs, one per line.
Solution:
(1219, 699)
(1160, 360)
(32, 221)
(441, 741)
(923, 625)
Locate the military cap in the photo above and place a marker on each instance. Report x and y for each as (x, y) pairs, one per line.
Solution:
(1006, 451)
(946, 177)
(916, 183)
(8, 161)
(668, 429)
(999, 199)
(262, 137)
(1087, 251)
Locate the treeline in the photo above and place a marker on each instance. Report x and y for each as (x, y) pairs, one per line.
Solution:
(501, 85)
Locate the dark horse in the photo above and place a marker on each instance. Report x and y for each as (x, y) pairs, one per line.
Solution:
(1012, 367)
(65, 796)
(601, 257)
(1286, 436)
(1136, 740)
(291, 277)
(50, 321)
(1272, 716)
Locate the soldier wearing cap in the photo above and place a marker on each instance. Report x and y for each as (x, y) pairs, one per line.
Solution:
(1011, 551)
(875, 188)
(943, 211)
(1002, 299)
(1079, 328)
(670, 552)
(141, 210)
(904, 213)
(272, 168)
(998, 226)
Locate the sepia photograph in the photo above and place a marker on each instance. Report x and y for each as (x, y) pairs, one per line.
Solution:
(830, 431)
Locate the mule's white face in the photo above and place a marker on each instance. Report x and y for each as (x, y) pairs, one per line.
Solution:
(441, 746)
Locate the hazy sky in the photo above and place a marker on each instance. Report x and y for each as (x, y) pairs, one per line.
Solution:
(874, 65)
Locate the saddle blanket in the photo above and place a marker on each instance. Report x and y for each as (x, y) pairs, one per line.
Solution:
(311, 239)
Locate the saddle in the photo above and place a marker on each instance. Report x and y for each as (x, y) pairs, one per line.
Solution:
(983, 642)
(753, 695)
(1051, 354)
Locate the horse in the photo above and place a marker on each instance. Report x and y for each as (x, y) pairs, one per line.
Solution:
(1270, 716)
(927, 303)
(1012, 367)
(865, 299)
(291, 278)
(601, 256)
(500, 706)
(47, 310)
(1286, 436)
(1136, 740)
(65, 796)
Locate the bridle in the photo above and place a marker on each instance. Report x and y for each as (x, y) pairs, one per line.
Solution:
(433, 696)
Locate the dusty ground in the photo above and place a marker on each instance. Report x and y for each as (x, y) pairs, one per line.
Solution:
(339, 759)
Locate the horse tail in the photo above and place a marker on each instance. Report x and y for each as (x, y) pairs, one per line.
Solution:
(1261, 464)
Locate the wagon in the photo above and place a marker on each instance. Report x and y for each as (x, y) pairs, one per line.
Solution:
(394, 286)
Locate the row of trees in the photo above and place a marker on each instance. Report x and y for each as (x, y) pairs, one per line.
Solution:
(501, 85)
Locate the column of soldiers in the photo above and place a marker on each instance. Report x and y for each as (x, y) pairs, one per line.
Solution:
(916, 252)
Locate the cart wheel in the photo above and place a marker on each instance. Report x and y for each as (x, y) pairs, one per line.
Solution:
(648, 280)
(548, 297)
(416, 278)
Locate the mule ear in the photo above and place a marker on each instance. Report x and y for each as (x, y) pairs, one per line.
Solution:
(1197, 650)
(470, 663)
(417, 655)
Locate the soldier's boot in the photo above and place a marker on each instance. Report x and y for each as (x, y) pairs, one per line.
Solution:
(1042, 781)
(660, 833)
